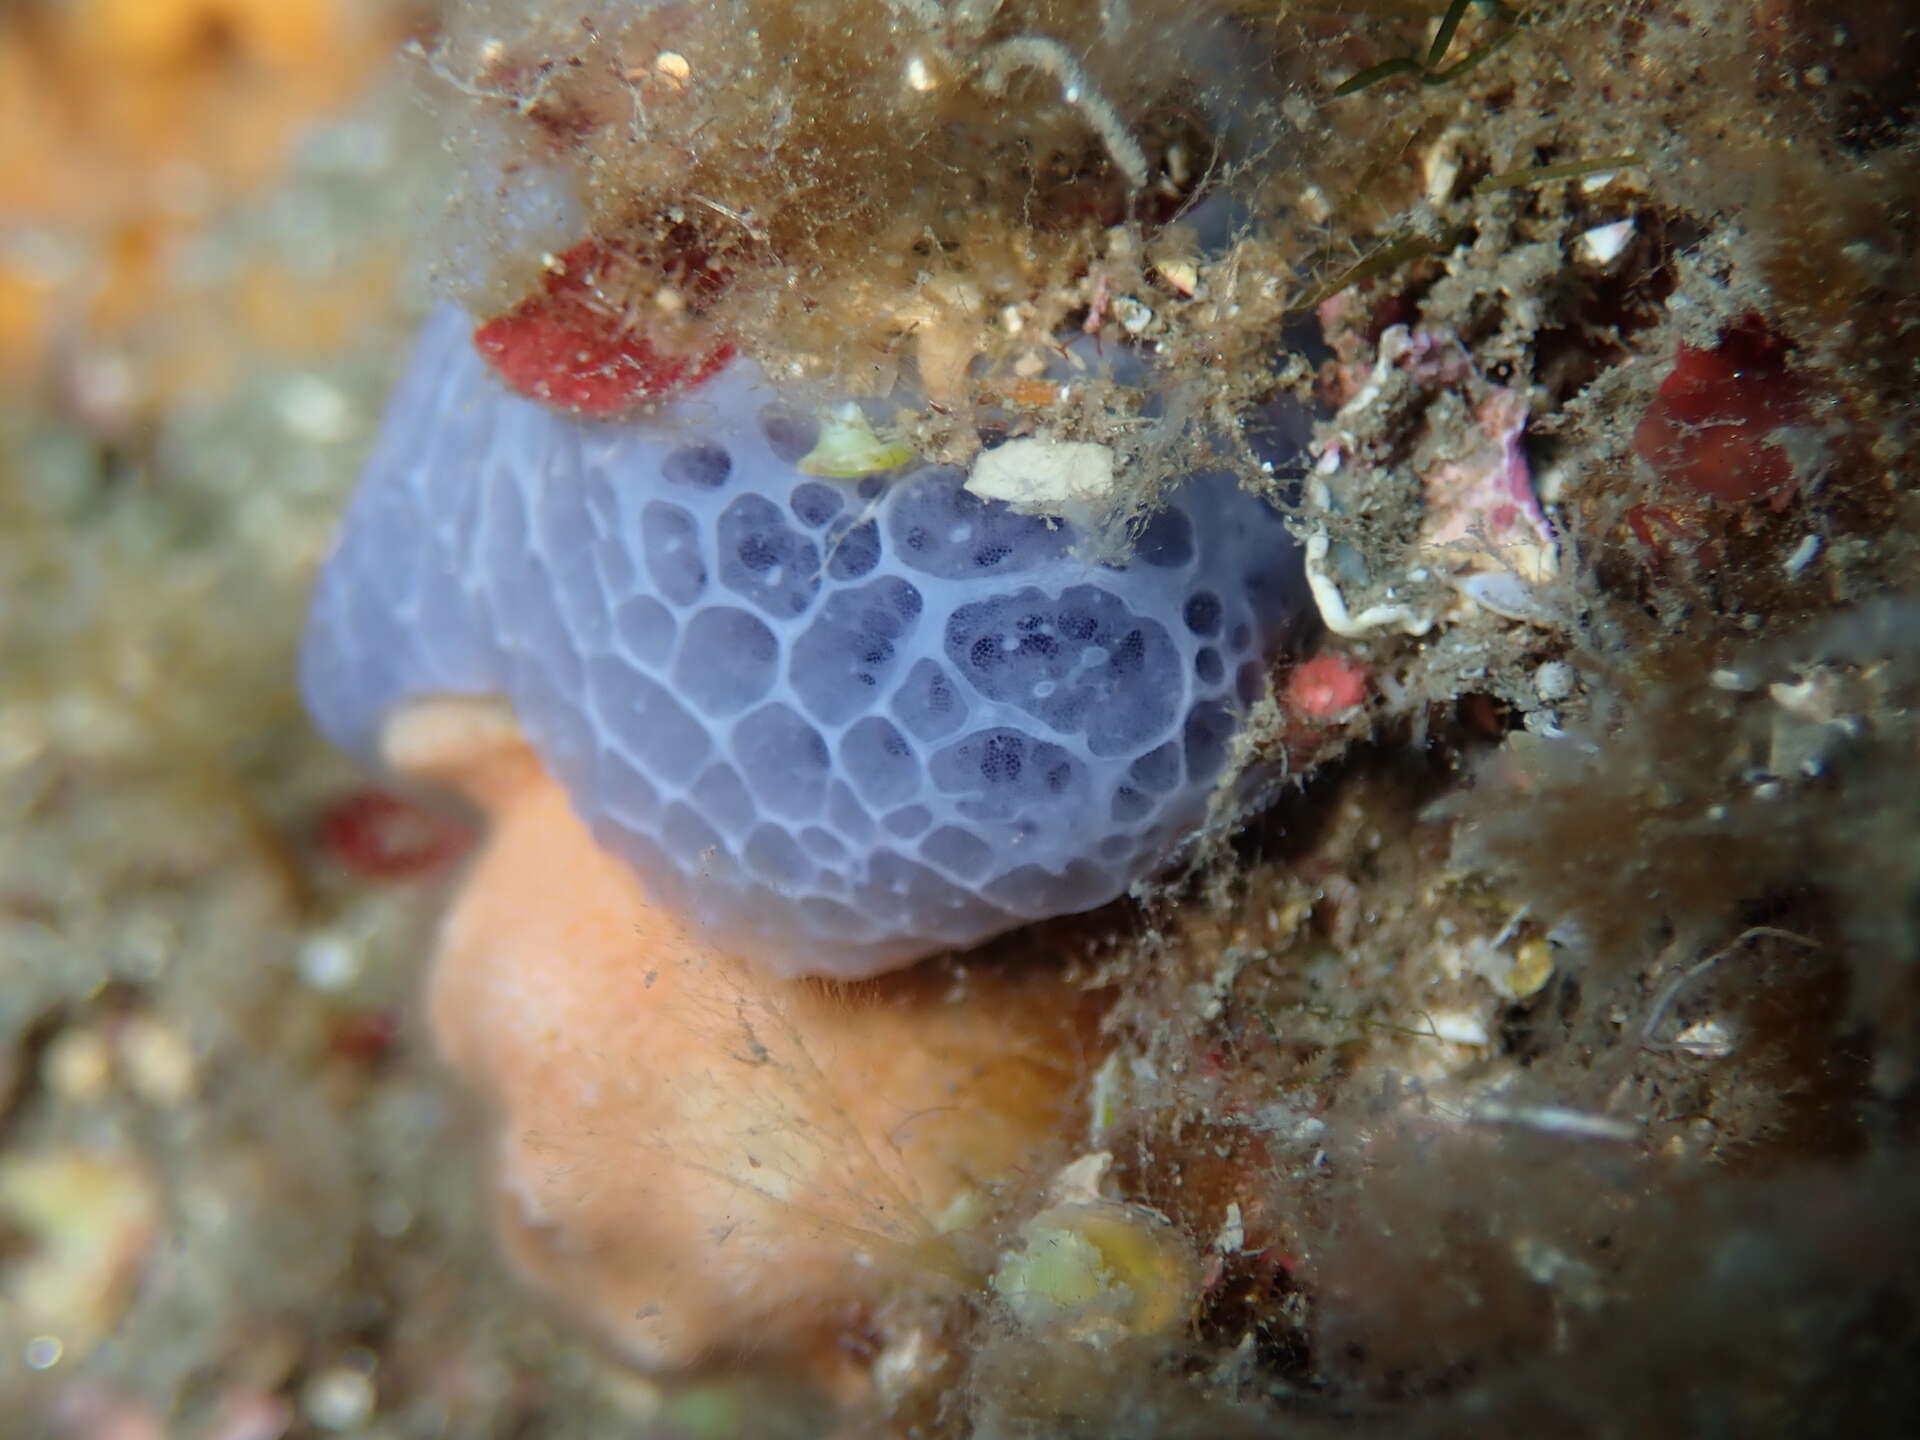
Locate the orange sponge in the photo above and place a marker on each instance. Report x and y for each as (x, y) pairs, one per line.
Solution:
(695, 1158)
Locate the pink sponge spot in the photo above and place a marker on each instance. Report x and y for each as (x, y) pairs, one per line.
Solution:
(1326, 687)
(1712, 427)
(569, 347)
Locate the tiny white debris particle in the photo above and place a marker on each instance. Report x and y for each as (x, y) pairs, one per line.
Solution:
(1554, 681)
(1440, 168)
(1288, 1123)
(1802, 556)
(78, 1065)
(1808, 699)
(338, 1399)
(1576, 1279)
(1233, 1233)
(1709, 1039)
(897, 1367)
(159, 1061)
(1080, 1181)
(314, 410)
(1550, 484)
(1132, 314)
(392, 1217)
(1556, 1120)
(1730, 680)
(329, 963)
(1603, 244)
(1456, 1027)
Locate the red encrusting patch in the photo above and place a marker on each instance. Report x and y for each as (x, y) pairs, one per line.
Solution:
(1325, 688)
(1712, 427)
(1673, 533)
(570, 348)
(381, 836)
(363, 1036)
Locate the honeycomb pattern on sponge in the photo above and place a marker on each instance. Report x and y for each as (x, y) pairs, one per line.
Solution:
(844, 724)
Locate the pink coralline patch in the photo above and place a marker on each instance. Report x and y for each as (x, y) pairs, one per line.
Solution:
(1345, 321)
(1326, 688)
(1365, 353)
(1713, 428)
(1490, 494)
(1436, 360)
(570, 346)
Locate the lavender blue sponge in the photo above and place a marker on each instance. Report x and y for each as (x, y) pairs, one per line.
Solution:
(842, 724)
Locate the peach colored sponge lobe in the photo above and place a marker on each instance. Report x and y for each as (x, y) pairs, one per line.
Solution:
(839, 724)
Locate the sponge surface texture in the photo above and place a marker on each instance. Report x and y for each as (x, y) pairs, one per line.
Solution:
(840, 724)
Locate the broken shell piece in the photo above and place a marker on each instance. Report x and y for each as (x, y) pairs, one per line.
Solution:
(1333, 606)
(1182, 275)
(1555, 681)
(849, 447)
(694, 1158)
(1708, 1039)
(1232, 1236)
(1502, 593)
(1604, 244)
(1440, 168)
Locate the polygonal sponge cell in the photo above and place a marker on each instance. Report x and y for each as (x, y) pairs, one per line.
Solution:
(845, 724)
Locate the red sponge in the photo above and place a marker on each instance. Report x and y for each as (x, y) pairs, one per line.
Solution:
(565, 346)
(1712, 426)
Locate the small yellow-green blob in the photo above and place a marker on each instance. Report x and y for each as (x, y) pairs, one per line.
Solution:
(1096, 1272)
(1532, 967)
(849, 447)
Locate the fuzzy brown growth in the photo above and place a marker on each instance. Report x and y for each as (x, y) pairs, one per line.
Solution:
(883, 177)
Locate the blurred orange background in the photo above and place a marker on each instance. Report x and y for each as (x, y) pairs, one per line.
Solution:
(133, 125)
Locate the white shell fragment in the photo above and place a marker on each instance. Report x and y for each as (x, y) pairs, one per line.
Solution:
(1604, 244)
(1066, 479)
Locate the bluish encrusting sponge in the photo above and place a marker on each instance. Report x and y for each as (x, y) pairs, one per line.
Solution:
(842, 724)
